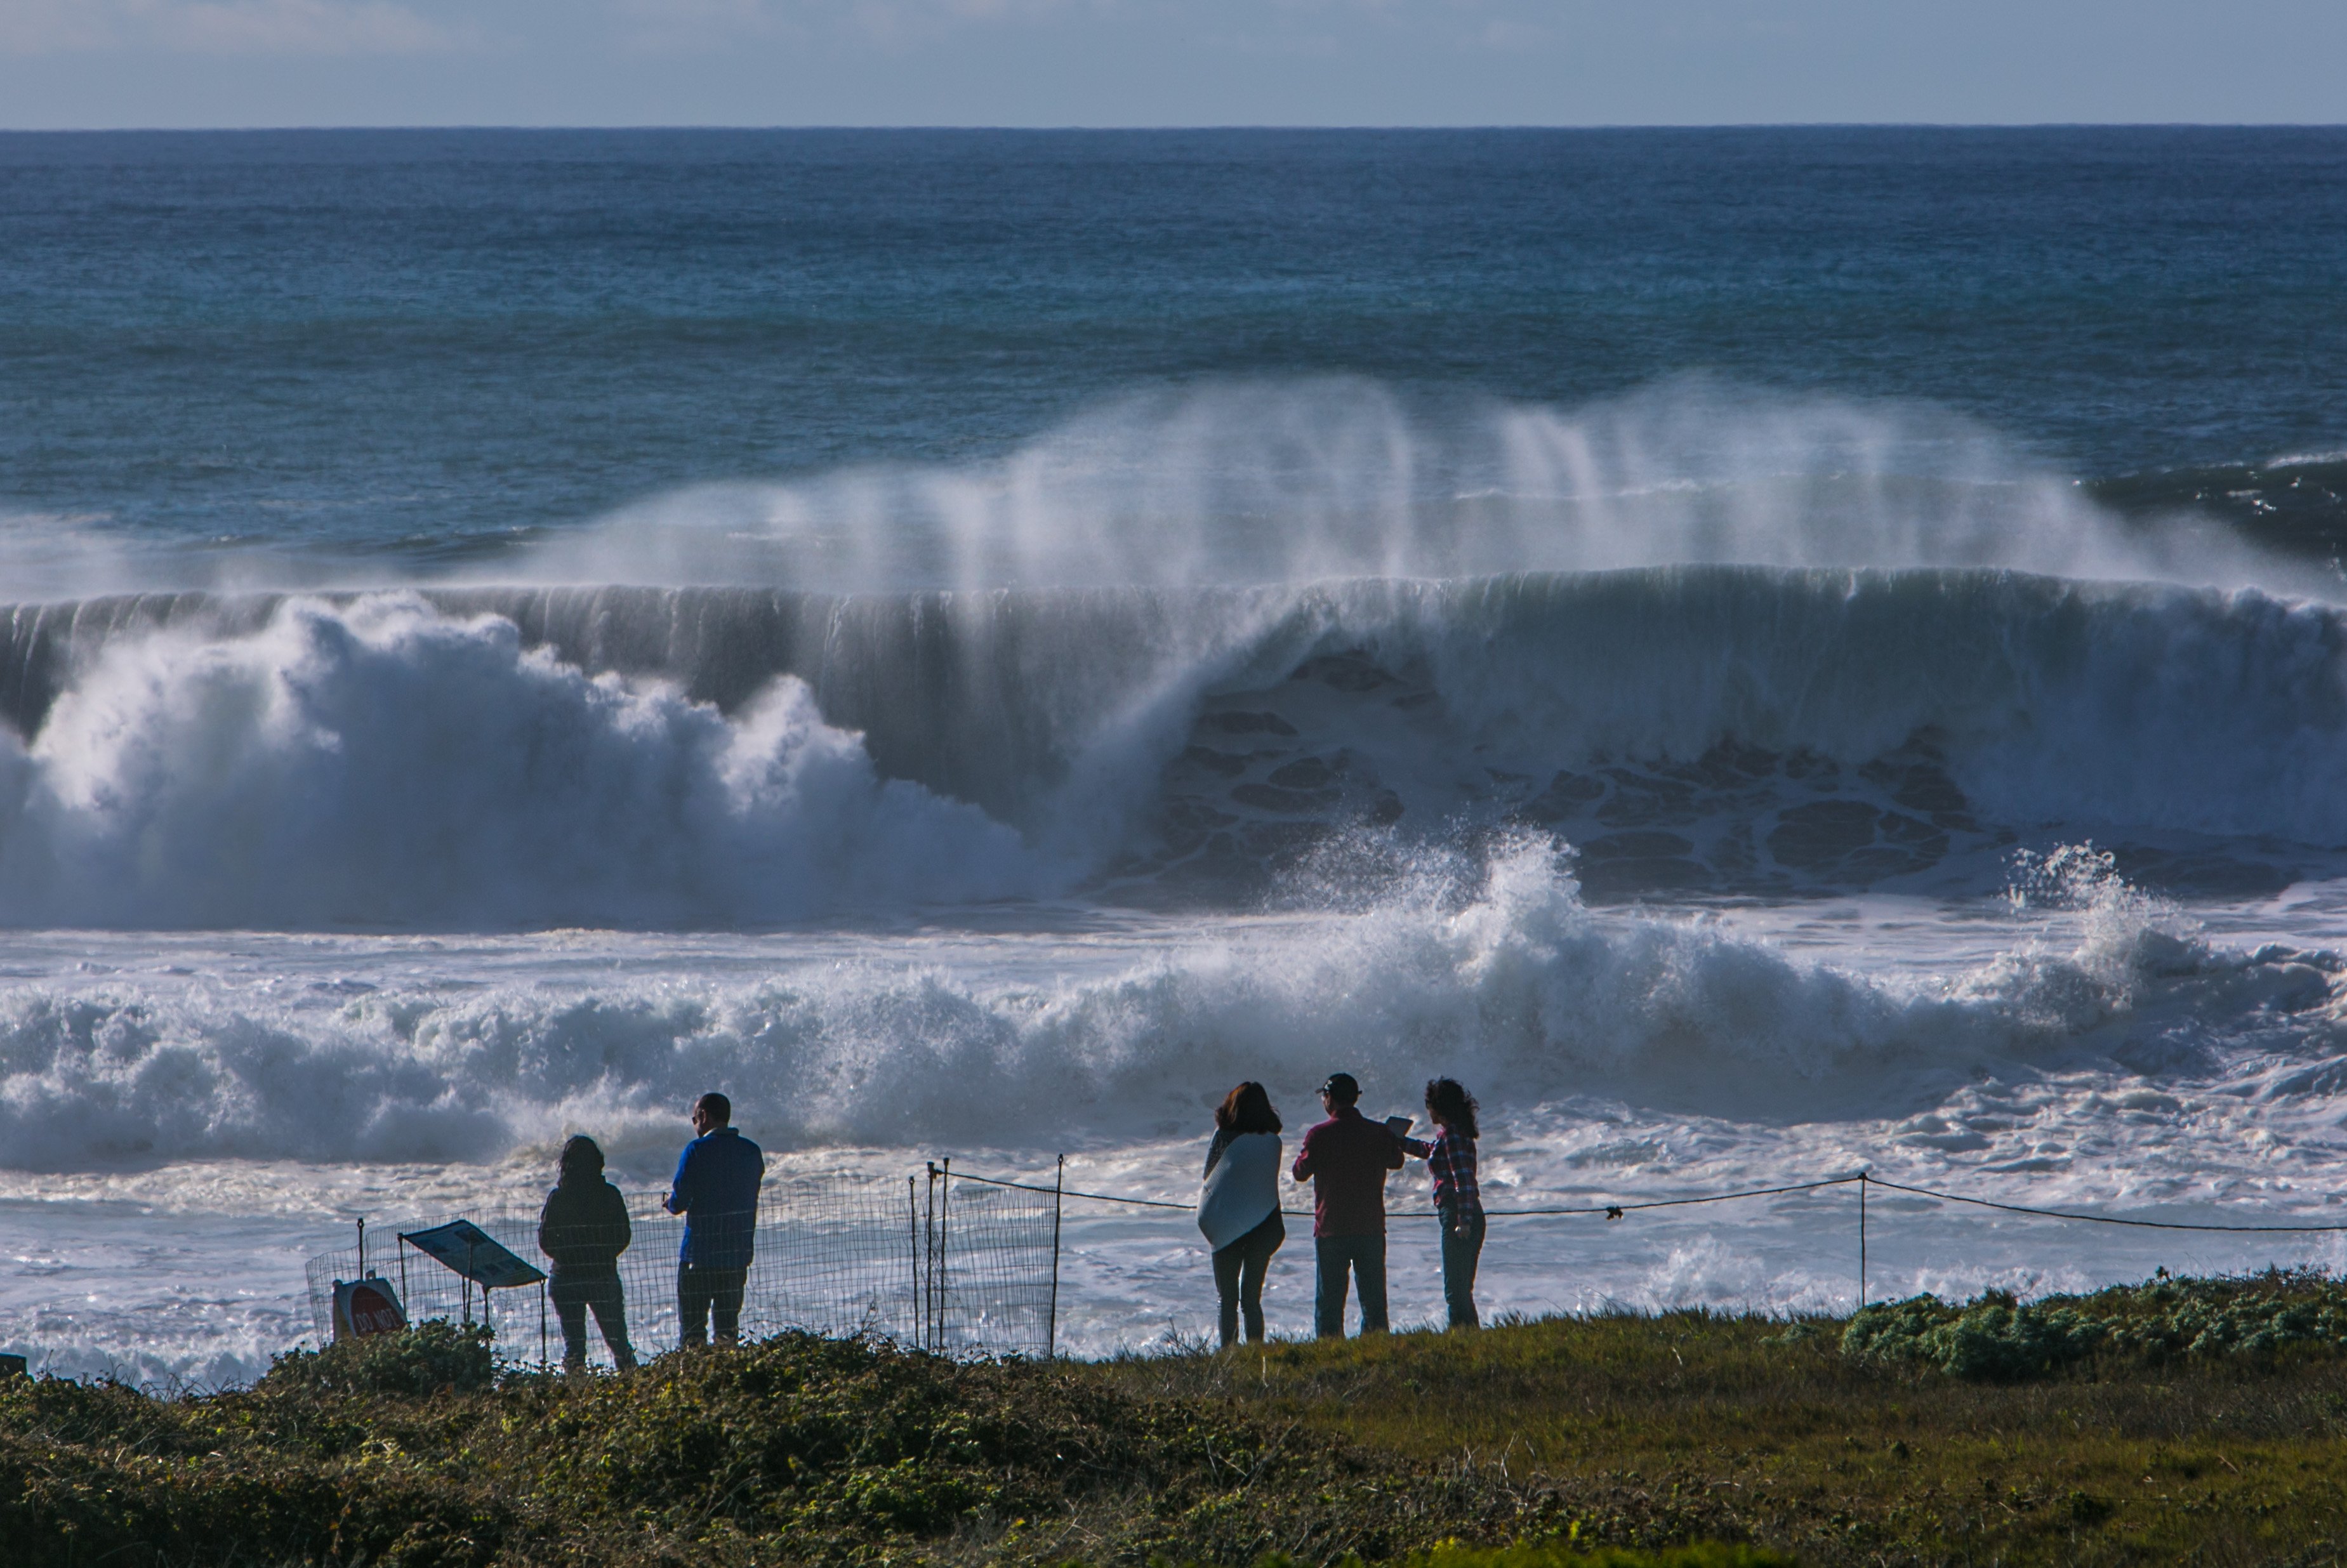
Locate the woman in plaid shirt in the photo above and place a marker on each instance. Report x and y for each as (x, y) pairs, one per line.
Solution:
(1451, 1157)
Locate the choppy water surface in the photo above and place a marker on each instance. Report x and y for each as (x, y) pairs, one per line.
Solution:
(1766, 653)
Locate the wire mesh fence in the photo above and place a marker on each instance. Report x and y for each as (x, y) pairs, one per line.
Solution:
(957, 1264)
(932, 1261)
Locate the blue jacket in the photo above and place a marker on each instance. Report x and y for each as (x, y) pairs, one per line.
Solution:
(716, 1191)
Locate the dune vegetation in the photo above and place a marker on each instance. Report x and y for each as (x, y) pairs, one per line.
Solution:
(1689, 1438)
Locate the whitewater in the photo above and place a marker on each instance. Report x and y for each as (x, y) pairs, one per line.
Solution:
(1735, 789)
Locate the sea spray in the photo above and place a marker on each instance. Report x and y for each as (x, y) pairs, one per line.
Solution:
(1294, 480)
(1519, 989)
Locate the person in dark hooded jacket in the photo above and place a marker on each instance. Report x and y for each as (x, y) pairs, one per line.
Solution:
(582, 1230)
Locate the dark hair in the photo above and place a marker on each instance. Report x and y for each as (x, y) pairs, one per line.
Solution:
(1248, 1109)
(720, 1108)
(581, 1161)
(1448, 1101)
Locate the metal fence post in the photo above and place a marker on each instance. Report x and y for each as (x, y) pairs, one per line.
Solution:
(1861, 1241)
(929, 1262)
(945, 1248)
(1052, 1310)
(913, 1234)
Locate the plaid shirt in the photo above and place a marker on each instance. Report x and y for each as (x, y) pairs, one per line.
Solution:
(1452, 1159)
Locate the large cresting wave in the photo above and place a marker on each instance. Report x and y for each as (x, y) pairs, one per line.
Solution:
(1215, 647)
(695, 758)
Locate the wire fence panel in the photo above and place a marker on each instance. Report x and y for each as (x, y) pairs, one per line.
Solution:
(833, 1256)
(321, 1273)
(996, 1273)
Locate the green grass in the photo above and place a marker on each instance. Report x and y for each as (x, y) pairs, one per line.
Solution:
(1523, 1446)
(1689, 1426)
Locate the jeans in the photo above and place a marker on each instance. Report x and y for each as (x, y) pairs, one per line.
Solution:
(1366, 1256)
(1238, 1278)
(1462, 1245)
(572, 1295)
(702, 1293)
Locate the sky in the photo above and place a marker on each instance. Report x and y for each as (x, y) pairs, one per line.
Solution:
(105, 64)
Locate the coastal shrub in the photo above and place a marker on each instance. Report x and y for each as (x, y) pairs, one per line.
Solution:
(1996, 1339)
(1561, 1555)
(427, 1359)
(1556, 1554)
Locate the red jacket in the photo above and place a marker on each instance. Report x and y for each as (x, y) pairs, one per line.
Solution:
(1346, 1159)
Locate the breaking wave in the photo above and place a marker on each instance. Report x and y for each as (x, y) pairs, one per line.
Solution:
(1195, 648)
(693, 758)
(1511, 982)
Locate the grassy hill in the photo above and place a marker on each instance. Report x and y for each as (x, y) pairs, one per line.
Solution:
(1803, 1442)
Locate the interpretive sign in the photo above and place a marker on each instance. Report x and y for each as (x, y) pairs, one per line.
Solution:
(475, 1253)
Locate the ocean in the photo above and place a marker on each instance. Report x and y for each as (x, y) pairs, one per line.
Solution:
(1768, 653)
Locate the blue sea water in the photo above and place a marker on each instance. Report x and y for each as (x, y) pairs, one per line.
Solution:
(1765, 651)
(429, 345)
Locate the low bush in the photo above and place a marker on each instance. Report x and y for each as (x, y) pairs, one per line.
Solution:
(1996, 1339)
(431, 1357)
(1559, 1554)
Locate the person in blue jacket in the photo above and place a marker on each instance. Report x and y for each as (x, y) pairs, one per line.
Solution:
(716, 1191)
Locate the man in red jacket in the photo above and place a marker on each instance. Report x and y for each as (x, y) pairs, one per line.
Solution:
(1346, 1159)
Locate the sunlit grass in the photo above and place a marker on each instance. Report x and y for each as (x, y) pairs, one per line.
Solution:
(1750, 1428)
(1552, 1439)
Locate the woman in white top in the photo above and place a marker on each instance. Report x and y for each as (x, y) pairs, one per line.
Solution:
(1239, 1210)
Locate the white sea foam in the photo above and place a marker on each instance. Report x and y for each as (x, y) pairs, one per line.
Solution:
(200, 1102)
(1521, 989)
(381, 764)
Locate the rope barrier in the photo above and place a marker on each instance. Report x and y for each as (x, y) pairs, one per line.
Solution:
(1616, 1211)
(1874, 1181)
(1611, 1210)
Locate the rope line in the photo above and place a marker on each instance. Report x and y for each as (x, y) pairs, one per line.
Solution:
(1616, 1211)
(2093, 1219)
(1612, 1211)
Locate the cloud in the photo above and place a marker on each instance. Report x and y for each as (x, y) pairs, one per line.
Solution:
(677, 26)
(311, 28)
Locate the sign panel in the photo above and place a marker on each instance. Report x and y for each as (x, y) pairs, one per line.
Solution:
(475, 1253)
(366, 1306)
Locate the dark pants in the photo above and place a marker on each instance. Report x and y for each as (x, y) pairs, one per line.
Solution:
(1366, 1256)
(703, 1292)
(1462, 1245)
(572, 1295)
(1239, 1277)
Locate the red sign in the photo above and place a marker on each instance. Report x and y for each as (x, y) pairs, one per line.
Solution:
(367, 1307)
